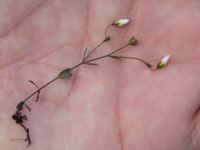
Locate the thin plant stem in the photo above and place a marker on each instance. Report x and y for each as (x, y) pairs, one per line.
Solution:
(38, 90)
(107, 55)
(94, 49)
(90, 53)
(84, 61)
(106, 30)
(100, 57)
(135, 58)
(74, 67)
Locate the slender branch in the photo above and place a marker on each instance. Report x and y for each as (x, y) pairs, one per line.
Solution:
(74, 67)
(106, 38)
(84, 55)
(27, 139)
(136, 58)
(38, 93)
(38, 90)
(100, 57)
(90, 53)
(107, 55)
(106, 30)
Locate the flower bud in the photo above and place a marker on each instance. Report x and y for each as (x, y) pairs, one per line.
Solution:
(163, 62)
(120, 22)
(132, 41)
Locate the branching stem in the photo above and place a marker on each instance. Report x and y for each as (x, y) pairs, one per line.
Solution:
(26, 99)
(74, 67)
(19, 117)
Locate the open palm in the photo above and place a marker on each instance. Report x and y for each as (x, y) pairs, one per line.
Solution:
(117, 105)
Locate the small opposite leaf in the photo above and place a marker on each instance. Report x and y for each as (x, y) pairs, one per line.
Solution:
(84, 55)
(65, 74)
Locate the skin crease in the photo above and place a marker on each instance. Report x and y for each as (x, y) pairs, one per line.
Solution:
(117, 105)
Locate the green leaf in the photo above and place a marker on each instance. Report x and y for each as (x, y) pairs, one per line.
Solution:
(66, 73)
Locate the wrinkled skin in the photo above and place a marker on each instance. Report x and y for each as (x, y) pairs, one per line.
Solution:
(117, 105)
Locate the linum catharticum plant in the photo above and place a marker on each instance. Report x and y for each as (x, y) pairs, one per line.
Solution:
(19, 117)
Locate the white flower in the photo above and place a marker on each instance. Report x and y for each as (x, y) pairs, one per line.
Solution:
(163, 62)
(120, 22)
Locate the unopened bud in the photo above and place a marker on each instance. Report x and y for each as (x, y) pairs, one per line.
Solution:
(132, 41)
(120, 22)
(163, 62)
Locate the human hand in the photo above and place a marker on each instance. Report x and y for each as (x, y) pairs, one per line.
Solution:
(115, 105)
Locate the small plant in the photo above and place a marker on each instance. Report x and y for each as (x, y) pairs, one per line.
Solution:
(19, 117)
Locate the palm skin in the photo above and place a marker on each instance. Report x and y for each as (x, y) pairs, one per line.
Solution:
(117, 105)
